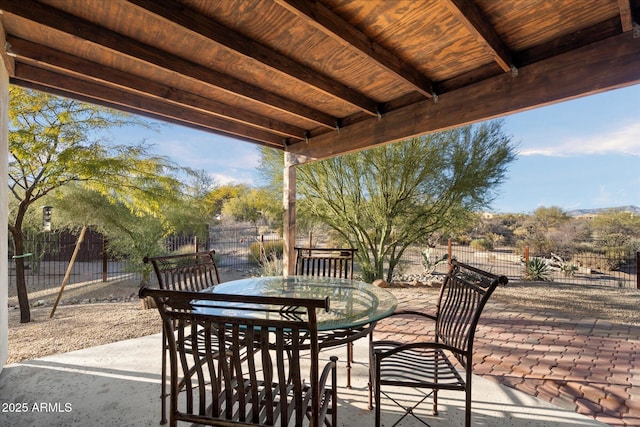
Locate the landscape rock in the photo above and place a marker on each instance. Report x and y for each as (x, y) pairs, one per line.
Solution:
(381, 283)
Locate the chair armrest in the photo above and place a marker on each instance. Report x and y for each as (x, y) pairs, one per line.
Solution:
(329, 396)
(425, 316)
(328, 370)
(412, 313)
(399, 347)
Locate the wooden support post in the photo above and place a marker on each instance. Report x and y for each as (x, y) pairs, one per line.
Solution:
(289, 203)
(69, 268)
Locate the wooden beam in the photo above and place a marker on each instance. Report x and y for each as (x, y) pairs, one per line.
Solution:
(476, 23)
(626, 16)
(127, 109)
(242, 45)
(595, 68)
(39, 55)
(5, 56)
(140, 103)
(323, 19)
(102, 37)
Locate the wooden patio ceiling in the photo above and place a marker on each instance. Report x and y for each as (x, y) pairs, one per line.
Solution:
(321, 78)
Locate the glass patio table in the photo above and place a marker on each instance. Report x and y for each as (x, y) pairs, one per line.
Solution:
(355, 306)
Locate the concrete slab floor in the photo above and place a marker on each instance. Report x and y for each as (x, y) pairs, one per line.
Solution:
(118, 385)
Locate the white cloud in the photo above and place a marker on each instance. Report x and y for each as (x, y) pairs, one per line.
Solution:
(232, 178)
(625, 140)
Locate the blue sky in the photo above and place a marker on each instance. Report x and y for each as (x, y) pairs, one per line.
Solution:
(578, 154)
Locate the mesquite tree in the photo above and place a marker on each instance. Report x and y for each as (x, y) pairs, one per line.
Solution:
(51, 145)
(383, 200)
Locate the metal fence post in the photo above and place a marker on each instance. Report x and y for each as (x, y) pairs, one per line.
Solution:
(105, 263)
(637, 270)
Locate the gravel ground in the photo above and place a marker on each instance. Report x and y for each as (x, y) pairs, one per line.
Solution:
(77, 325)
(78, 322)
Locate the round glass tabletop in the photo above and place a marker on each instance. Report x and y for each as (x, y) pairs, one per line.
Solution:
(352, 303)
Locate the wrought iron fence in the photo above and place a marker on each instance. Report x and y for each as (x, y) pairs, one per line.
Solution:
(47, 258)
(617, 269)
(240, 250)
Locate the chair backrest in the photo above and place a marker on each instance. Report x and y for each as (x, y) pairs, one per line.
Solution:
(325, 262)
(258, 379)
(185, 272)
(463, 296)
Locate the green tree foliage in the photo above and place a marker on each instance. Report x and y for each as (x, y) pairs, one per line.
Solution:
(385, 199)
(250, 205)
(190, 210)
(271, 169)
(616, 230)
(51, 145)
(538, 231)
(218, 196)
(134, 234)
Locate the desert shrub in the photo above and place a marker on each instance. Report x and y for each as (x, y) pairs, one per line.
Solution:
(273, 249)
(272, 267)
(538, 269)
(463, 240)
(596, 261)
(481, 244)
(495, 239)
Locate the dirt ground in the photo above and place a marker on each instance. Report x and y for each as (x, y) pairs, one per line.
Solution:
(78, 322)
(85, 319)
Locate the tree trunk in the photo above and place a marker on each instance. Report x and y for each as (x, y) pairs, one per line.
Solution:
(21, 283)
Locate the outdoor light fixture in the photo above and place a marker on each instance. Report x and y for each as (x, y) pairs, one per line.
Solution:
(46, 218)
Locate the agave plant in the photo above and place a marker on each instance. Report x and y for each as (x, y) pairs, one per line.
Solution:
(568, 269)
(538, 269)
(429, 263)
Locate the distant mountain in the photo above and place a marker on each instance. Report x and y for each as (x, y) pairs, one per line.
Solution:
(579, 212)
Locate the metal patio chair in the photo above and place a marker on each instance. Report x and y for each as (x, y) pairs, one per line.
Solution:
(330, 262)
(194, 272)
(431, 364)
(265, 387)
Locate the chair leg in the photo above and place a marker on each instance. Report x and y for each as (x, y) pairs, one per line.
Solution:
(377, 409)
(467, 406)
(376, 386)
(435, 402)
(349, 360)
(163, 383)
(334, 392)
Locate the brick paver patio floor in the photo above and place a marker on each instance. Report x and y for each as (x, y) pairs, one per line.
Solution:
(586, 365)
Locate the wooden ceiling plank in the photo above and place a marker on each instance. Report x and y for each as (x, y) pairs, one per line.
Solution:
(28, 51)
(626, 16)
(476, 23)
(116, 96)
(568, 42)
(218, 33)
(606, 65)
(332, 25)
(69, 24)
